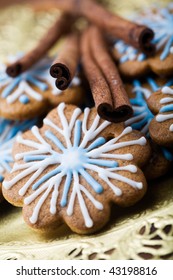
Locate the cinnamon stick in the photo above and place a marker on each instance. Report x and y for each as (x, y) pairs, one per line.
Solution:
(65, 65)
(139, 36)
(109, 95)
(59, 28)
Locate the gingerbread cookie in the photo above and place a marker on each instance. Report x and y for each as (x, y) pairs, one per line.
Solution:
(140, 92)
(34, 92)
(161, 127)
(73, 168)
(133, 63)
(8, 132)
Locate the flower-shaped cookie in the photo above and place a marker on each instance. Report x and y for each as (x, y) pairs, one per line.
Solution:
(73, 168)
(8, 132)
(132, 63)
(34, 92)
(161, 127)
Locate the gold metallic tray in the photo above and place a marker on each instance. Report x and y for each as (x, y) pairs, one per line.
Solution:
(144, 231)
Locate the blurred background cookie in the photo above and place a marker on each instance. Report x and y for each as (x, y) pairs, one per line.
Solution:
(132, 63)
(140, 92)
(8, 132)
(161, 127)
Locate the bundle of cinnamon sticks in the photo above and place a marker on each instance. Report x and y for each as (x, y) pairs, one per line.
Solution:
(90, 48)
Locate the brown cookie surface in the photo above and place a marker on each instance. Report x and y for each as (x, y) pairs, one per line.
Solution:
(160, 162)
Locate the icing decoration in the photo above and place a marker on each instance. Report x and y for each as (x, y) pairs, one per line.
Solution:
(167, 154)
(161, 22)
(24, 99)
(129, 53)
(167, 108)
(5, 158)
(71, 160)
(8, 131)
(28, 84)
(142, 115)
(1, 178)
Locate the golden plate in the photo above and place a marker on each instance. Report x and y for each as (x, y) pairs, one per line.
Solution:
(144, 231)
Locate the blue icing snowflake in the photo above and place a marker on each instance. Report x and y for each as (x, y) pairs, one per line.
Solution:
(81, 153)
(142, 115)
(19, 88)
(8, 131)
(161, 22)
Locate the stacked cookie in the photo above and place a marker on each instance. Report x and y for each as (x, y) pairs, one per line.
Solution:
(78, 161)
(149, 82)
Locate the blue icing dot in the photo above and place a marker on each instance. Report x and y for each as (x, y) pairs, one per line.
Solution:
(167, 154)
(24, 99)
(141, 57)
(1, 178)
